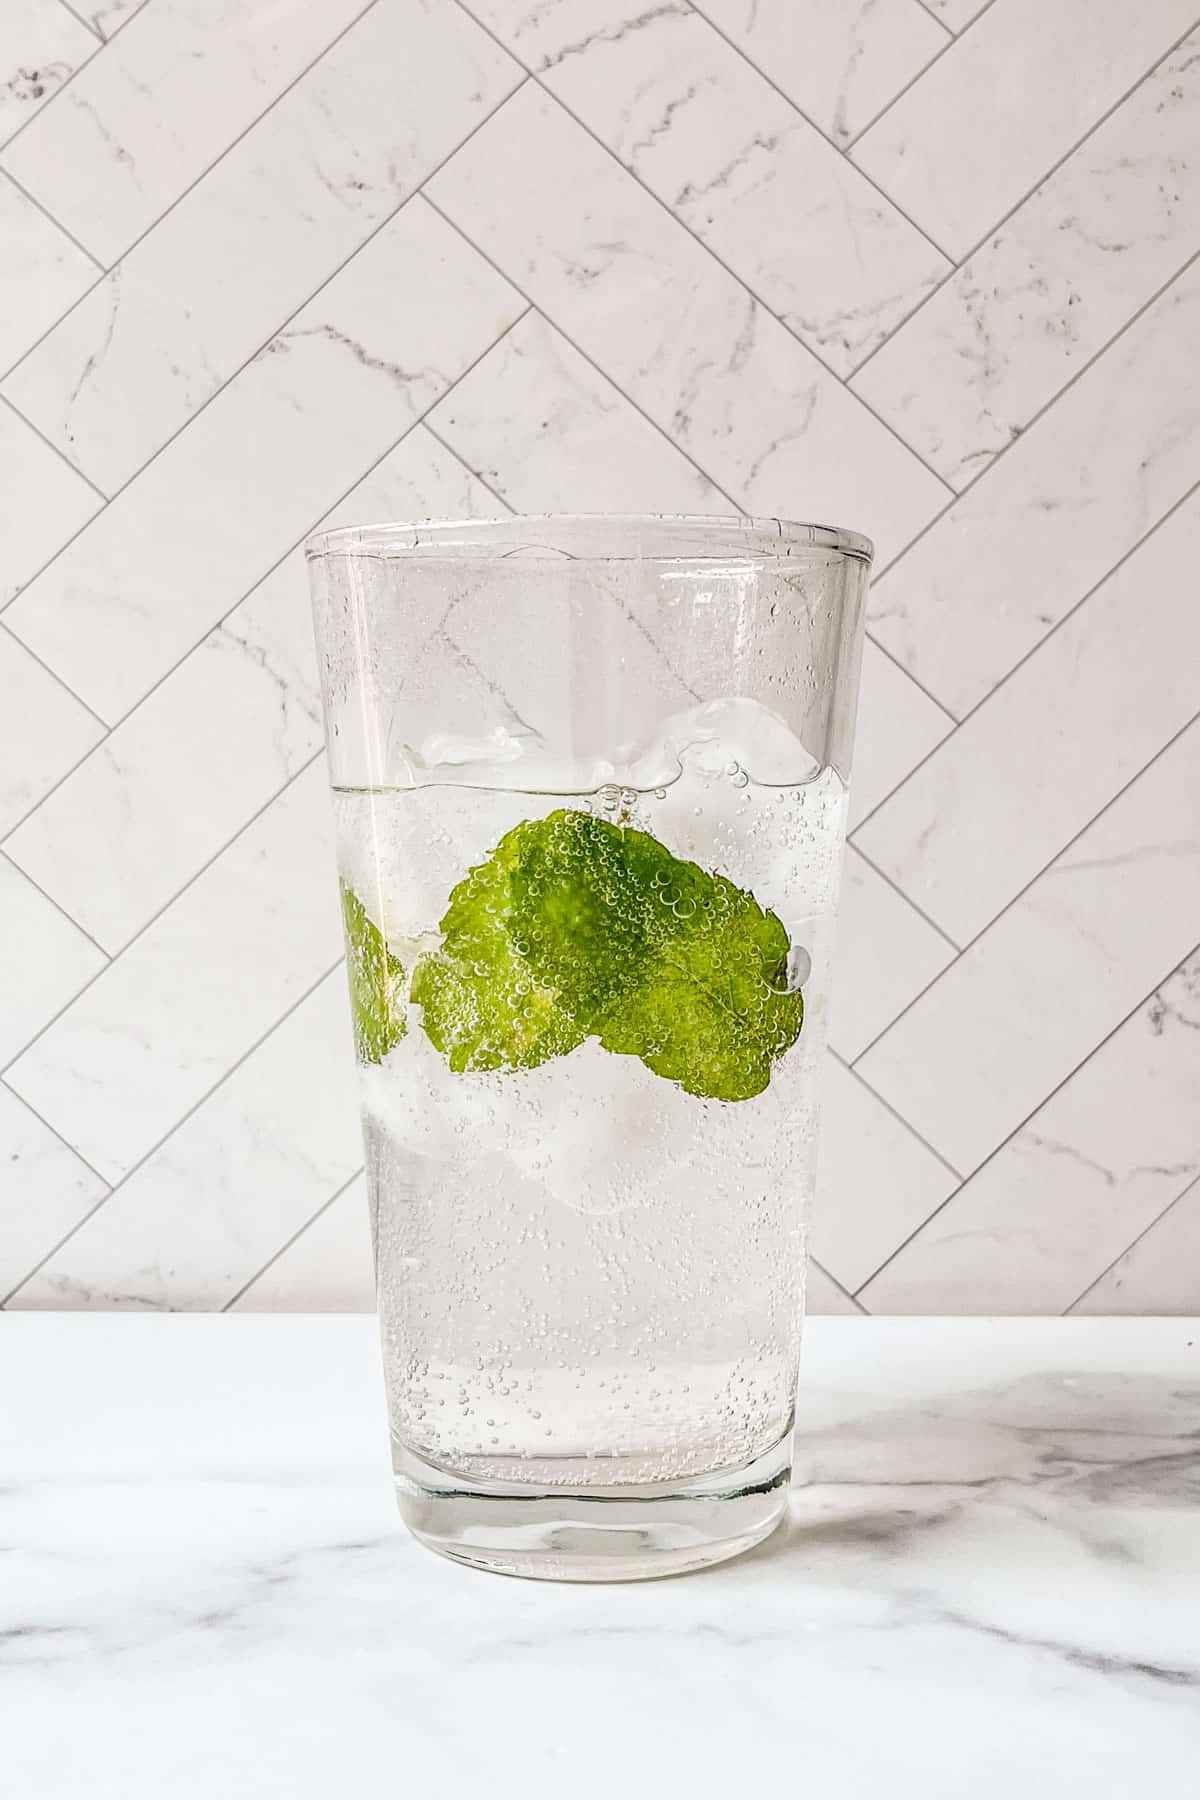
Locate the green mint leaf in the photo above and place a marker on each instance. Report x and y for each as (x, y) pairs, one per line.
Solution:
(482, 1005)
(577, 927)
(658, 957)
(376, 983)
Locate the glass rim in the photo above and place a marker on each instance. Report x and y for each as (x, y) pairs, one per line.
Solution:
(640, 537)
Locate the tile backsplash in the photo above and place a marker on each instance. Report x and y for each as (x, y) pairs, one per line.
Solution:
(925, 269)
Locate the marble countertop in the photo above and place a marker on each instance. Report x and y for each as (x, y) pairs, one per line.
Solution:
(990, 1583)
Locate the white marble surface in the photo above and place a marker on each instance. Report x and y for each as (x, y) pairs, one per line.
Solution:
(168, 1040)
(42, 47)
(989, 1582)
(1056, 281)
(1088, 939)
(1097, 1165)
(265, 227)
(756, 410)
(973, 134)
(734, 161)
(1072, 496)
(1118, 676)
(42, 272)
(839, 61)
(321, 402)
(174, 88)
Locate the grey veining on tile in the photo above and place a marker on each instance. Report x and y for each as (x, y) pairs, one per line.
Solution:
(964, 377)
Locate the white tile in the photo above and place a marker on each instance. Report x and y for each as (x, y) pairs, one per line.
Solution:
(173, 89)
(876, 1182)
(726, 152)
(977, 130)
(41, 273)
(1053, 975)
(243, 1173)
(43, 731)
(957, 14)
(897, 725)
(327, 1269)
(262, 230)
(42, 503)
(224, 732)
(44, 960)
(551, 434)
(44, 1190)
(1159, 1274)
(1073, 264)
(886, 953)
(1070, 498)
(106, 17)
(204, 521)
(761, 416)
(822, 1295)
(208, 978)
(42, 45)
(998, 800)
(1093, 1168)
(841, 61)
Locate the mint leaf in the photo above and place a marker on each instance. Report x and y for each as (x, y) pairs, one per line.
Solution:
(376, 983)
(656, 956)
(483, 1007)
(576, 927)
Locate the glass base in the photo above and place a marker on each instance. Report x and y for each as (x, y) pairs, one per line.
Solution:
(627, 1533)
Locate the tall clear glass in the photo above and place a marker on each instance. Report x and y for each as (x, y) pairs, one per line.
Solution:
(590, 784)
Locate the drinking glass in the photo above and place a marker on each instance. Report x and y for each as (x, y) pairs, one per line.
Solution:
(589, 776)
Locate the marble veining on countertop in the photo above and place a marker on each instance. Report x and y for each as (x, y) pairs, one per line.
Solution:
(988, 1583)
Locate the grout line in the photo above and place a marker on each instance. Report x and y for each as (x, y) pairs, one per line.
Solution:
(1033, 879)
(1018, 1128)
(243, 597)
(823, 135)
(920, 911)
(54, 1248)
(182, 1120)
(61, 89)
(928, 9)
(451, 451)
(59, 457)
(579, 351)
(833, 1282)
(909, 676)
(86, 23)
(900, 93)
(741, 281)
(65, 1142)
(295, 1237)
(898, 1116)
(1048, 405)
(962, 261)
(74, 923)
(184, 192)
(155, 916)
(1028, 657)
(276, 333)
(125, 23)
(1180, 1197)
(252, 589)
(8, 632)
(1011, 446)
(58, 226)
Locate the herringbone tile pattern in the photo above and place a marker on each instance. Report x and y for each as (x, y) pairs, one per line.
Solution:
(926, 269)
